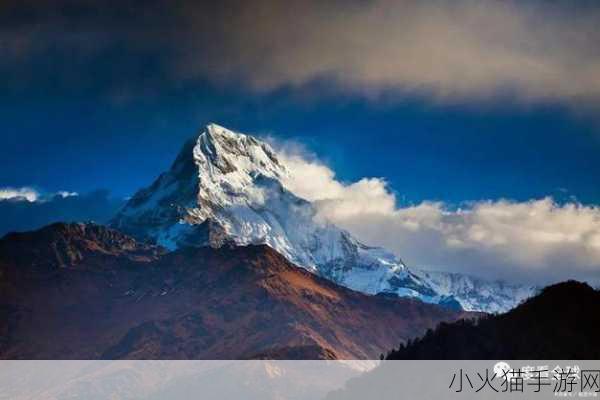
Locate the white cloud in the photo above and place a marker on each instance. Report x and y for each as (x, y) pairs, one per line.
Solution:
(537, 240)
(316, 182)
(64, 193)
(30, 194)
(23, 193)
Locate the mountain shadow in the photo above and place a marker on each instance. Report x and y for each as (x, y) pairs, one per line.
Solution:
(562, 322)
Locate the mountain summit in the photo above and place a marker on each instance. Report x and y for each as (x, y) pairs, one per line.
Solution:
(226, 187)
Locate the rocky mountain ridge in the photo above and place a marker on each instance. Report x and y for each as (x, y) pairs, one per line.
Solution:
(233, 302)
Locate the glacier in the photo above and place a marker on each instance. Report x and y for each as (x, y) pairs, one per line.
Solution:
(226, 187)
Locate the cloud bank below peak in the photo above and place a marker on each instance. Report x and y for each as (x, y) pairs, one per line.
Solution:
(536, 241)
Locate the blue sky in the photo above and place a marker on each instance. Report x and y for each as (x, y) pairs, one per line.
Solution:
(454, 153)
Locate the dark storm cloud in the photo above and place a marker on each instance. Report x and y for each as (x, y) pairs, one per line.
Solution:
(62, 47)
(537, 49)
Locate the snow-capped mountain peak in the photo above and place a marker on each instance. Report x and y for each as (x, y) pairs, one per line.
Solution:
(221, 152)
(229, 164)
(227, 187)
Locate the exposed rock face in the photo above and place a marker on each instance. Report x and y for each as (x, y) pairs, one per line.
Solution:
(65, 245)
(84, 291)
(226, 187)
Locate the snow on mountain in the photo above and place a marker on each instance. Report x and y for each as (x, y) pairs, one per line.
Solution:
(226, 187)
(475, 294)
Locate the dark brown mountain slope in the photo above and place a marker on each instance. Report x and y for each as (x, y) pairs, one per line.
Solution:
(85, 291)
(561, 323)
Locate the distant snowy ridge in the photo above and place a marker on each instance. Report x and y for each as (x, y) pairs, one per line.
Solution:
(476, 294)
(226, 187)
